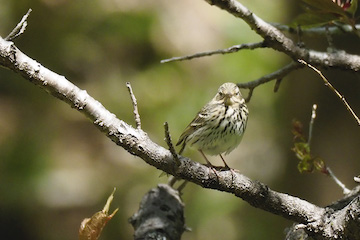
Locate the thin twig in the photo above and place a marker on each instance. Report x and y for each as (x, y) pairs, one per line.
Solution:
(325, 169)
(357, 179)
(139, 144)
(355, 29)
(336, 29)
(300, 36)
(20, 27)
(134, 102)
(312, 120)
(278, 75)
(170, 145)
(328, 84)
(282, 72)
(337, 181)
(173, 180)
(232, 49)
(182, 186)
(277, 84)
(331, 47)
(251, 91)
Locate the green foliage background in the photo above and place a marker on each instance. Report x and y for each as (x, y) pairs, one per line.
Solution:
(56, 168)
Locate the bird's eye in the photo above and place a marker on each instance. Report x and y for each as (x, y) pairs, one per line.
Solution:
(221, 94)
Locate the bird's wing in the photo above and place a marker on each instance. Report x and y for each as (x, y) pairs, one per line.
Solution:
(195, 124)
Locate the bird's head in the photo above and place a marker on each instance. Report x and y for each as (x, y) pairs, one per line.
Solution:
(229, 94)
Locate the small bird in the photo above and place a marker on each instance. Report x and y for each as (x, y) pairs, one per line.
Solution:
(219, 126)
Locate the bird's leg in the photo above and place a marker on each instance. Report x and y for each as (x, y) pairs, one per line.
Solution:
(208, 163)
(226, 166)
(233, 171)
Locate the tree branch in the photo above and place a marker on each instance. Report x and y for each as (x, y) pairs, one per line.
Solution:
(337, 223)
(277, 75)
(336, 29)
(134, 102)
(275, 39)
(231, 49)
(160, 215)
(137, 142)
(272, 76)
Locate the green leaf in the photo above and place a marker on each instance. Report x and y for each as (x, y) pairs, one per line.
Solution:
(302, 148)
(320, 12)
(326, 6)
(312, 19)
(353, 7)
(305, 166)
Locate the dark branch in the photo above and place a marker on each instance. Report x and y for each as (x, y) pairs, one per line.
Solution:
(337, 223)
(160, 215)
(231, 49)
(137, 142)
(279, 74)
(275, 39)
(315, 220)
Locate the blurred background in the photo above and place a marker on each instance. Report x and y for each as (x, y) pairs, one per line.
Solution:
(56, 168)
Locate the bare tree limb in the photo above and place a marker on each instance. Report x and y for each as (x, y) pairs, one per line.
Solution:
(336, 221)
(160, 215)
(137, 142)
(275, 39)
(231, 49)
(316, 221)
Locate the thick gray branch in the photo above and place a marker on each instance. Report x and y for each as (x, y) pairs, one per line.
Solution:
(160, 215)
(138, 143)
(275, 39)
(340, 221)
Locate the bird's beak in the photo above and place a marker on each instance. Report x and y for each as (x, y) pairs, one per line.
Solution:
(228, 100)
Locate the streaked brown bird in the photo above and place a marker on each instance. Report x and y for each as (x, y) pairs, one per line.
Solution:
(219, 126)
